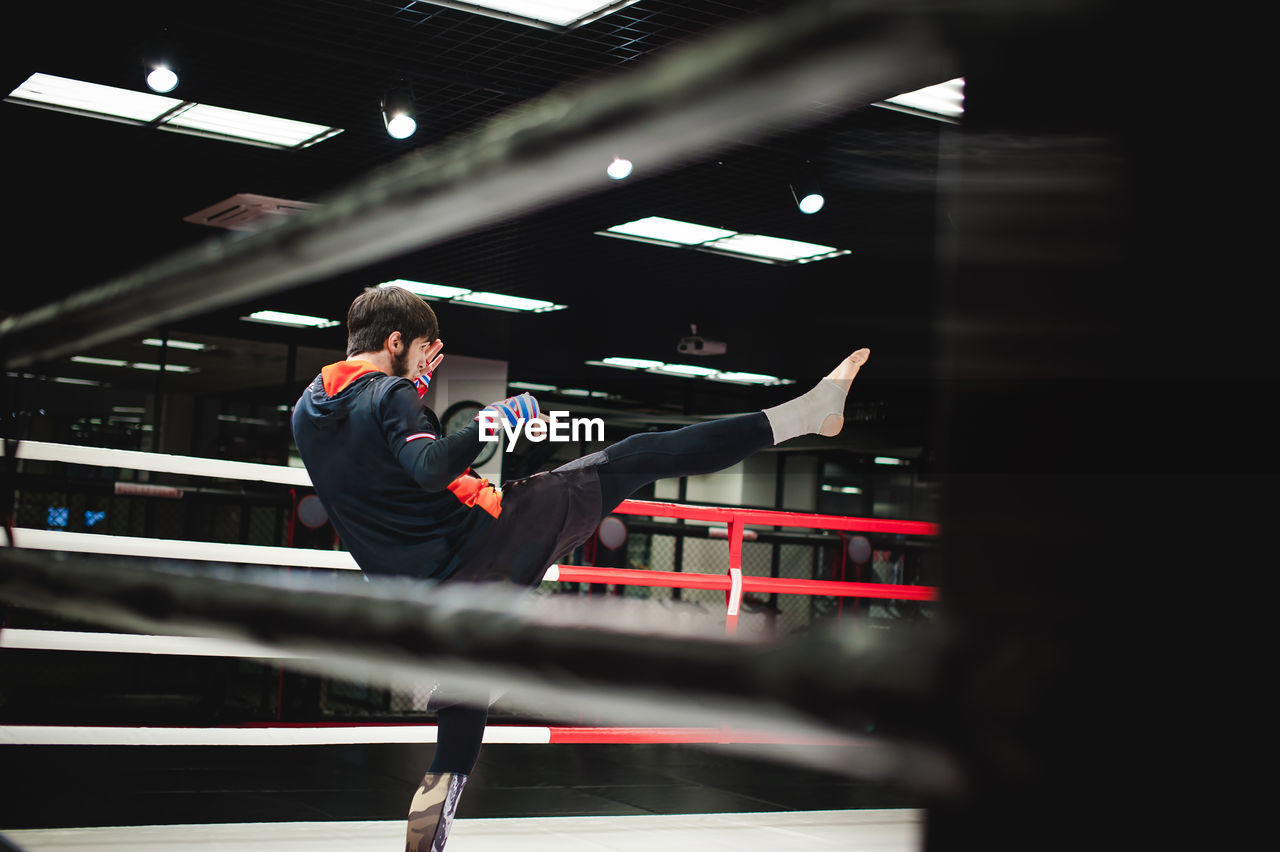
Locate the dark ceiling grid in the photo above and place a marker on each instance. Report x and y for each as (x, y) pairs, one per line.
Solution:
(330, 60)
(460, 64)
(749, 192)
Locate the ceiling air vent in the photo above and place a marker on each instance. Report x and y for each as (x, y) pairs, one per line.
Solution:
(247, 212)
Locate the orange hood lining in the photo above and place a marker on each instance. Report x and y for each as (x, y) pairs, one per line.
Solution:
(337, 377)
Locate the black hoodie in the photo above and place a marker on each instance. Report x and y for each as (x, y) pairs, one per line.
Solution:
(398, 492)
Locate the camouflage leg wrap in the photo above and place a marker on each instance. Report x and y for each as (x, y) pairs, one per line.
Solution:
(431, 812)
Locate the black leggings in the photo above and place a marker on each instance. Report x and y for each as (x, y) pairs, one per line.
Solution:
(634, 462)
(623, 469)
(459, 731)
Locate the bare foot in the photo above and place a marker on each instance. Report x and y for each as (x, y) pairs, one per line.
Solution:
(847, 370)
(843, 375)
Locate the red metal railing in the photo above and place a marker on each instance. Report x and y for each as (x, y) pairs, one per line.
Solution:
(734, 583)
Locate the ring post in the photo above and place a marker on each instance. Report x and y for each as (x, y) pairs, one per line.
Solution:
(733, 597)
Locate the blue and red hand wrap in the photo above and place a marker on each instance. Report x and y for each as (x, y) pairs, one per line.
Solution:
(515, 409)
(421, 383)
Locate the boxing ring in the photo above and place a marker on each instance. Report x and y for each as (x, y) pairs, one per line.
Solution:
(733, 583)
(900, 828)
(987, 713)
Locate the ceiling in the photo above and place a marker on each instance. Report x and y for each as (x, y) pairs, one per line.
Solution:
(93, 199)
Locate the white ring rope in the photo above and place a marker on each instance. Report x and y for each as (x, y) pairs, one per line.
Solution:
(169, 548)
(91, 735)
(563, 655)
(160, 463)
(156, 548)
(315, 634)
(22, 639)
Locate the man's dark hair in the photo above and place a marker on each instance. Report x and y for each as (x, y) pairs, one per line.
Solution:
(378, 311)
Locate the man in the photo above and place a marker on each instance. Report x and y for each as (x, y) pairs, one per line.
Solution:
(402, 497)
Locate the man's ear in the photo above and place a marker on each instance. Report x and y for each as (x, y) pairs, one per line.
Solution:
(394, 341)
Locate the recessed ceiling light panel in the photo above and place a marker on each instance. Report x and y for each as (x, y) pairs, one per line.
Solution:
(944, 101)
(110, 102)
(746, 378)
(690, 371)
(98, 362)
(430, 291)
(288, 319)
(677, 234)
(168, 368)
(759, 247)
(508, 303)
(632, 363)
(251, 127)
(683, 370)
(66, 380)
(545, 13)
(665, 230)
(176, 344)
(476, 298)
(77, 96)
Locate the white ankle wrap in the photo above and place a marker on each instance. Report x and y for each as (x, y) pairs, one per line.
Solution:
(805, 414)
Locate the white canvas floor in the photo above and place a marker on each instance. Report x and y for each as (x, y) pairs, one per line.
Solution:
(862, 830)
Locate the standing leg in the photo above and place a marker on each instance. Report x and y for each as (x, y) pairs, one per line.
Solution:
(460, 729)
(640, 459)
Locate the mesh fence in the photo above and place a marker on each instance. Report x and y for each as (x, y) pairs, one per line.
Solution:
(264, 520)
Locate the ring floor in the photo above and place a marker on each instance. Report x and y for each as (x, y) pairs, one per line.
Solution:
(867, 831)
(85, 798)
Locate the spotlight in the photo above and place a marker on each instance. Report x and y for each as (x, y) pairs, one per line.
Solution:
(397, 113)
(807, 192)
(619, 168)
(161, 78)
(810, 203)
(401, 126)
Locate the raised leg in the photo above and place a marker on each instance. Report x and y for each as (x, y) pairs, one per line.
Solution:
(821, 410)
(715, 445)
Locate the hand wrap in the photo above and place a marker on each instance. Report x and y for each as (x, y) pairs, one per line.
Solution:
(420, 384)
(514, 410)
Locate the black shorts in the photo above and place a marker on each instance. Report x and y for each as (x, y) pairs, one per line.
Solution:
(543, 518)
